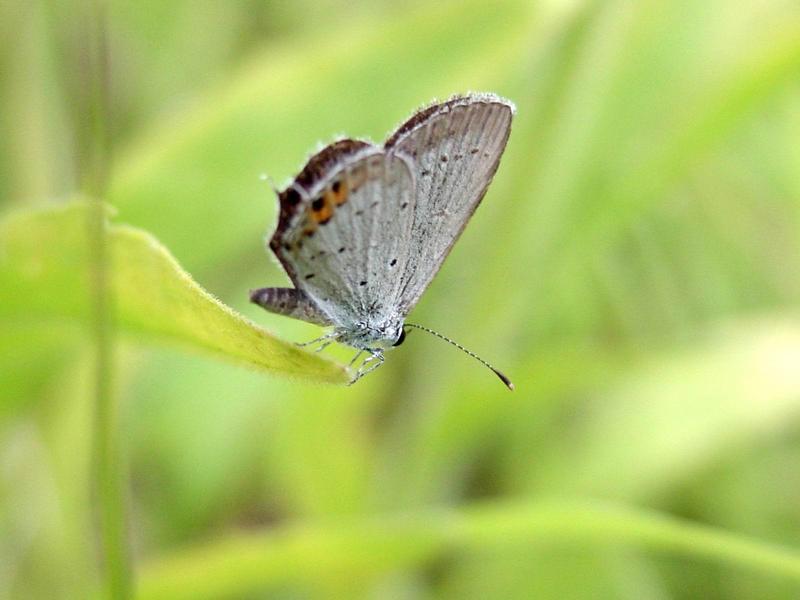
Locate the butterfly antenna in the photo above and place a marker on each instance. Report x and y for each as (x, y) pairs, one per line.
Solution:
(497, 372)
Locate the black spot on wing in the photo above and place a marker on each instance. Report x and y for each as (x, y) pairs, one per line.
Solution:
(292, 197)
(316, 168)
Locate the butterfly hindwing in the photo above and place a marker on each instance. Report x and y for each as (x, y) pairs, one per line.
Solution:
(344, 228)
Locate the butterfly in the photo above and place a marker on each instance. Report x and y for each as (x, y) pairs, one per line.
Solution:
(363, 229)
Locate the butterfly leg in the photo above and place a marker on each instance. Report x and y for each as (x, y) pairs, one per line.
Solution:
(324, 345)
(355, 358)
(376, 355)
(325, 341)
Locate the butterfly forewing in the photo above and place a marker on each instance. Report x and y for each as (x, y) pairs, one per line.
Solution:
(455, 148)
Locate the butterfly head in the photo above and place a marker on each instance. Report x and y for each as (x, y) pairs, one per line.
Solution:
(373, 335)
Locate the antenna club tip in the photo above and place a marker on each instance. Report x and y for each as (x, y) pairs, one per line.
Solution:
(504, 379)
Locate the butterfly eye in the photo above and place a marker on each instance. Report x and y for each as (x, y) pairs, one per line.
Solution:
(401, 339)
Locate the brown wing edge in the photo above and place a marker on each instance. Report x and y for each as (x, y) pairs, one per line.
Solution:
(435, 108)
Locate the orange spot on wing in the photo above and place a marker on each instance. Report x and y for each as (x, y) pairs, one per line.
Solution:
(340, 192)
(322, 208)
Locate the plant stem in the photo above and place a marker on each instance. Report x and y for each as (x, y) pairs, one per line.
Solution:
(109, 479)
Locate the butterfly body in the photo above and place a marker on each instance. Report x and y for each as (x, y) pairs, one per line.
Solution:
(363, 229)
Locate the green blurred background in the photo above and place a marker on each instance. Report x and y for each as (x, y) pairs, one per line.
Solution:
(635, 268)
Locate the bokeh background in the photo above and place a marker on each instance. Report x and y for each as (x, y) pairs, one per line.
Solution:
(635, 268)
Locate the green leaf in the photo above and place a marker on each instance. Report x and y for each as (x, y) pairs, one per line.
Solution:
(354, 549)
(43, 258)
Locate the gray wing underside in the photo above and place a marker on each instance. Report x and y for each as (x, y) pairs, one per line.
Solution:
(350, 265)
(363, 229)
(455, 151)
